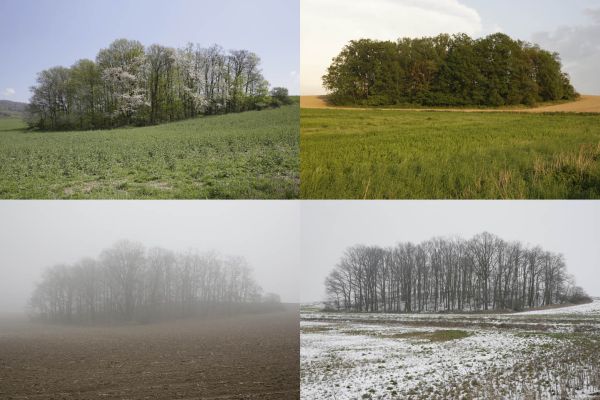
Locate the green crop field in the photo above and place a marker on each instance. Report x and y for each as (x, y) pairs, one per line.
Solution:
(247, 155)
(387, 154)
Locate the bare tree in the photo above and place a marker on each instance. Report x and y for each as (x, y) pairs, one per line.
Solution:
(129, 282)
(449, 274)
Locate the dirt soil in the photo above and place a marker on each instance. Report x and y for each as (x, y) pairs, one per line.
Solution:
(585, 104)
(247, 357)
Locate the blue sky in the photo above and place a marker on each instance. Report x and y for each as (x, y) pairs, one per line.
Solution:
(38, 34)
(571, 28)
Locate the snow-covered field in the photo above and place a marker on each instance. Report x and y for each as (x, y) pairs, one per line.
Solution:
(531, 355)
(592, 308)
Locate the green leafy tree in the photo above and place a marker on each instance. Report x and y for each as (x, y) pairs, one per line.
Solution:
(129, 84)
(280, 96)
(446, 70)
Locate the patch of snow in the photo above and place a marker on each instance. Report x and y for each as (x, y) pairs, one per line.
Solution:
(592, 308)
(359, 355)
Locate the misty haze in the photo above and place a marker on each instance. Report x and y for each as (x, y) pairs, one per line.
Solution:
(149, 299)
(131, 283)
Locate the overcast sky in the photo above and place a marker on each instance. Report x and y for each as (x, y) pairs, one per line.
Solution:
(38, 234)
(291, 245)
(39, 34)
(570, 27)
(328, 228)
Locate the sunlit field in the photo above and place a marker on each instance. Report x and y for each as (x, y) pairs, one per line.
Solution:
(247, 155)
(387, 154)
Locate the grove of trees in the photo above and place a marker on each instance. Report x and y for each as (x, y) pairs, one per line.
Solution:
(450, 274)
(129, 282)
(446, 71)
(129, 84)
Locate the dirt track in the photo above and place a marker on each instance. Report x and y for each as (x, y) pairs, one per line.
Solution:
(249, 357)
(586, 104)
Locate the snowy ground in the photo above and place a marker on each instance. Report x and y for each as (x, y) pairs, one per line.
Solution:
(592, 308)
(428, 356)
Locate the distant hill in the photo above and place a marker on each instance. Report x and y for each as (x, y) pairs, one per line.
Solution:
(12, 108)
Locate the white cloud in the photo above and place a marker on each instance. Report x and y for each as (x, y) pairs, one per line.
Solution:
(9, 92)
(328, 25)
(579, 50)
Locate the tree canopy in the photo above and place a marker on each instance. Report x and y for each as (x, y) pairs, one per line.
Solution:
(482, 273)
(129, 282)
(129, 84)
(446, 71)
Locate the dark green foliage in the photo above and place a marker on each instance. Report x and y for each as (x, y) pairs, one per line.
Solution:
(280, 96)
(446, 71)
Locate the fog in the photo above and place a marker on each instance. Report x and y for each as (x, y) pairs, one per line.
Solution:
(328, 228)
(35, 235)
(291, 246)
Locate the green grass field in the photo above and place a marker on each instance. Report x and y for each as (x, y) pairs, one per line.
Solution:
(247, 155)
(379, 154)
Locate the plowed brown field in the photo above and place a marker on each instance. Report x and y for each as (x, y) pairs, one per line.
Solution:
(585, 104)
(248, 357)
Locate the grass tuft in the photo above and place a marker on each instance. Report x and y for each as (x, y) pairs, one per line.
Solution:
(246, 155)
(393, 154)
